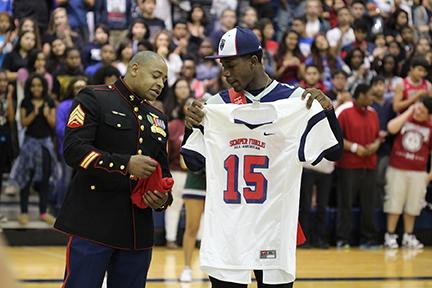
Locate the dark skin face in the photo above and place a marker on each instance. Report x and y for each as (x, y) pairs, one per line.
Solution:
(147, 78)
(242, 73)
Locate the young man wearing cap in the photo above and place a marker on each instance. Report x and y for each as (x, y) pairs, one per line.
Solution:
(240, 54)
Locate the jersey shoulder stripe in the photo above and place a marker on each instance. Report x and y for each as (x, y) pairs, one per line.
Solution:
(343, 107)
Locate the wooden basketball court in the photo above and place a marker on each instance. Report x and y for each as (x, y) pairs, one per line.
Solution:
(43, 267)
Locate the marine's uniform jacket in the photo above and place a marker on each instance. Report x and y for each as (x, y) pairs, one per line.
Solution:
(107, 125)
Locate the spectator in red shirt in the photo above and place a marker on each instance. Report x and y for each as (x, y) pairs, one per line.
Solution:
(414, 86)
(357, 168)
(407, 178)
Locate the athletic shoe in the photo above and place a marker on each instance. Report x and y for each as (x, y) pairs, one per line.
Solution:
(3, 219)
(410, 241)
(390, 241)
(186, 275)
(48, 218)
(171, 245)
(341, 244)
(23, 219)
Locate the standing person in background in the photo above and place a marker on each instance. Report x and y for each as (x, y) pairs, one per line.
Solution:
(92, 51)
(57, 55)
(7, 116)
(194, 199)
(18, 57)
(147, 8)
(407, 178)
(342, 34)
(138, 32)
(178, 169)
(72, 68)
(108, 56)
(197, 22)
(124, 55)
(228, 20)
(314, 22)
(62, 114)
(414, 86)
(77, 15)
(322, 57)
(59, 28)
(388, 69)
(116, 15)
(384, 109)
(357, 168)
(267, 33)
(289, 59)
(338, 93)
(249, 18)
(36, 162)
(7, 34)
(113, 137)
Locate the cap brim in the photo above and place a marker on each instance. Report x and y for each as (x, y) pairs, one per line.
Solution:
(230, 56)
(220, 56)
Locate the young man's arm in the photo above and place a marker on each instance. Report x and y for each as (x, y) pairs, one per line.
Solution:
(395, 125)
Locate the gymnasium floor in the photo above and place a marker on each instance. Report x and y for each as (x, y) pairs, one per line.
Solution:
(43, 267)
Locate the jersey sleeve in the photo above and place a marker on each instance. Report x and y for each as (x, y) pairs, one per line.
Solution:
(193, 150)
(317, 138)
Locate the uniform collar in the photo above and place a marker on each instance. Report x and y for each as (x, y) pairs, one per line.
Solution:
(126, 92)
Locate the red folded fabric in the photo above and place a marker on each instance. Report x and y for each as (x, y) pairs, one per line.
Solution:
(153, 183)
(301, 238)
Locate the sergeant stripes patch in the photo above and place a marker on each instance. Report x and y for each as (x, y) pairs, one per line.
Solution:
(76, 118)
(89, 158)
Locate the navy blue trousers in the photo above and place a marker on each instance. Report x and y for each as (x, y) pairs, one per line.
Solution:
(87, 262)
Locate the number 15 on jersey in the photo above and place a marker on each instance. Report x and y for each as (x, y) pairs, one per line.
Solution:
(256, 192)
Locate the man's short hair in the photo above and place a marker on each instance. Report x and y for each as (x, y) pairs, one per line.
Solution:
(427, 101)
(420, 61)
(258, 54)
(377, 79)
(361, 88)
(311, 65)
(361, 25)
(339, 72)
(358, 2)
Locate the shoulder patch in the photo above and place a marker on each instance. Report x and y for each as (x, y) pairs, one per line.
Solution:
(76, 117)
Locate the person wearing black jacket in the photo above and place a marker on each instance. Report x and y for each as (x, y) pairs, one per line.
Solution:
(113, 137)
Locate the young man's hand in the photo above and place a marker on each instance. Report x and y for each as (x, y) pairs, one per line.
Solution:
(194, 114)
(316, 94)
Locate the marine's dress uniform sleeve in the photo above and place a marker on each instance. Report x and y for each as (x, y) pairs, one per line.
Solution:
(80, 136)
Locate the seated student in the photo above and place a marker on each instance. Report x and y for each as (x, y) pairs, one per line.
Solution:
(407, 178)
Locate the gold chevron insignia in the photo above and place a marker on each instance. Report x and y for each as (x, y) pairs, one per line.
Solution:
(89, 158)
(76, 117)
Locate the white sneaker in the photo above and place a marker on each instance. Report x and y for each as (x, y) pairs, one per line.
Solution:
(390, 241)
(3, 219)
(410, 241)
(186, 275)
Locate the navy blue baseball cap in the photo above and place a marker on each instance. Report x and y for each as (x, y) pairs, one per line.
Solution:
(237, 42)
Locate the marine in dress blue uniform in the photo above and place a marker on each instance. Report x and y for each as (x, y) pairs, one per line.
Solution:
(112, 132)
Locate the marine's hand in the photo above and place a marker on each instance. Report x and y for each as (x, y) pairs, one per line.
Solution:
(155, 199)
(316, 94)
(141, 166)
(194, 114)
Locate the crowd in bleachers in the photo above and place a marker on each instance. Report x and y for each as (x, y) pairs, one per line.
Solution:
(362, 54)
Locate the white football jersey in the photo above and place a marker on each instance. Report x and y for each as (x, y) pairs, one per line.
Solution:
(253, 155)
